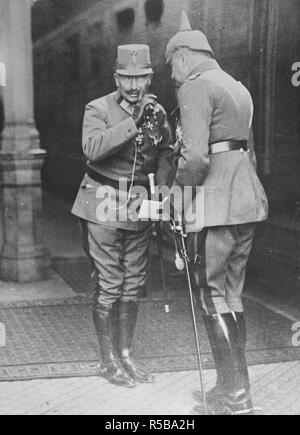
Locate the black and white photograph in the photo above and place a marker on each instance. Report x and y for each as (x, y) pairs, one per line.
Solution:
(150, 210)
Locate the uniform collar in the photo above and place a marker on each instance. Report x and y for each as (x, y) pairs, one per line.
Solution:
(129, 108)
(125, 105)
(203, 67)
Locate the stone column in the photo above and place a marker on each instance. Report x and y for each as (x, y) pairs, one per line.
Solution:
(23, 257)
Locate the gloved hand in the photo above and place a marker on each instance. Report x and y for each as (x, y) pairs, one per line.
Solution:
(149, 100)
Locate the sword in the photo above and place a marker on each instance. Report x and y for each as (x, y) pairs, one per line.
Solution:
(178, 229)
(162, 268)
(160, 250)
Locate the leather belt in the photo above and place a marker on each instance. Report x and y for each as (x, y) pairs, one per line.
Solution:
(230, 145)
(105, 181)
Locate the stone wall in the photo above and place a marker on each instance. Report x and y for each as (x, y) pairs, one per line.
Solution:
(286, 153)
(255, 40)
(74, 64)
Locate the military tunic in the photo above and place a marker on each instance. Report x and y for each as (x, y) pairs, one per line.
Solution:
(111, 141)
(115, 149)
(215, 108)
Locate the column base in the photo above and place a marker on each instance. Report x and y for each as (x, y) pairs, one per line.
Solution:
(23, 257)
(35, 268)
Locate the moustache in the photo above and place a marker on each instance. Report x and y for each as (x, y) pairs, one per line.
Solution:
(133, 93)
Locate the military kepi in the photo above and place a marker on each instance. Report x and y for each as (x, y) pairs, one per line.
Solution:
(134, 60)
(186, 37)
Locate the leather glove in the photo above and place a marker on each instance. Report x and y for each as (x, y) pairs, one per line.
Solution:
(149, 100)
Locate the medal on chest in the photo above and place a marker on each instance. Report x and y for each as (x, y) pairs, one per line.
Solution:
(179, 138)
(150, 128)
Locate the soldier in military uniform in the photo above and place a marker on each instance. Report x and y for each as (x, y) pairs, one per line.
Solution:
(216, 152)
(125, 136)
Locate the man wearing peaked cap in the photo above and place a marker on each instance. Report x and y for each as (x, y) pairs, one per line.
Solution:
(125, 136)
(186, 37)
(217, 153)
(134, 60)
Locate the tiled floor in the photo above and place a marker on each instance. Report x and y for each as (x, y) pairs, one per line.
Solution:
(276, 389)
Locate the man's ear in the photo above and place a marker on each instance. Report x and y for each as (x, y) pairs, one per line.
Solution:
(184, 59)
(150, 79)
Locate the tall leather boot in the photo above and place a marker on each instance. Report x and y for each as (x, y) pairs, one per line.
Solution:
(128, 318)
(229, 353)
(214, 397)
(111, 368)
(241, 324)
(216, 392)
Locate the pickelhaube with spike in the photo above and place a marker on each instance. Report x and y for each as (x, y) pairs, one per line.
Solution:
(186, 37)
